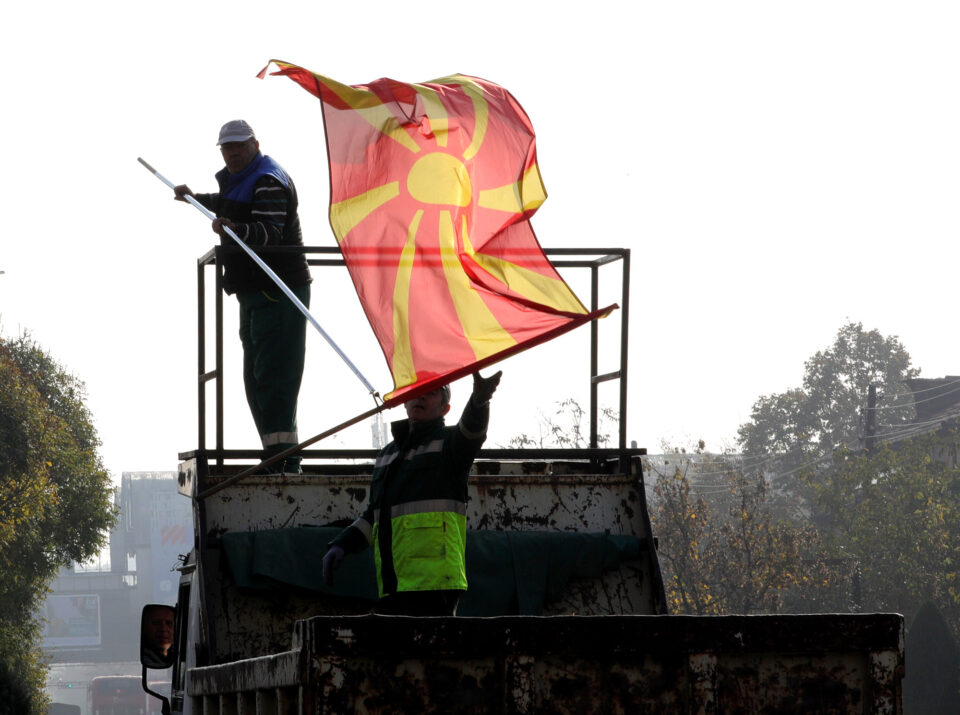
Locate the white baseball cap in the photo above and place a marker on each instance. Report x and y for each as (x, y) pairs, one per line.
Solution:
(236, 130)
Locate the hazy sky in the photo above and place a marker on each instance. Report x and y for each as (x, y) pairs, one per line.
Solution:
(776, 168)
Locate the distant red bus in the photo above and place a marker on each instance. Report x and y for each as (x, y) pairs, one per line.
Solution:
(117, 695)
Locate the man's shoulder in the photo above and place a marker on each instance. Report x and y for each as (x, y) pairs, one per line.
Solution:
(271, 166)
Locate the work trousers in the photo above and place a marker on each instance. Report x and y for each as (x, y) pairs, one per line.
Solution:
(273, 333)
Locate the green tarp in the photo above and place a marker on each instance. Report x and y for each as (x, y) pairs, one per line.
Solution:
(508, 572)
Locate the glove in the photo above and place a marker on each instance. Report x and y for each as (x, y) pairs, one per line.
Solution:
(331, 562)
(484, 387)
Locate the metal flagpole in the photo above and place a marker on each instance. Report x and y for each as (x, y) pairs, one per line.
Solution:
(273, 276)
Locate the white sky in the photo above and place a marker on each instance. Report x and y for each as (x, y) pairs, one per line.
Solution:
(777, 168)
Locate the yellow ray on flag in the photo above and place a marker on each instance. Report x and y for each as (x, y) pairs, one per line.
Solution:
(518, 197)
(346, 214)
(480, 327)
(402, 365)
(537, 287)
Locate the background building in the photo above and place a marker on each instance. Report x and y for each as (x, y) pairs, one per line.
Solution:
(93, 610)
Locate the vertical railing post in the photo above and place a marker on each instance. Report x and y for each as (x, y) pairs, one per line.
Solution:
(594, 356)
(624, 332)
(218, 266)
(201, 360)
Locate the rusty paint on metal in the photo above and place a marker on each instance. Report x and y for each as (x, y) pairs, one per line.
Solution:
(618, 664)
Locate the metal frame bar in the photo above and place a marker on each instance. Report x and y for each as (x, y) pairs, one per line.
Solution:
(604, 256)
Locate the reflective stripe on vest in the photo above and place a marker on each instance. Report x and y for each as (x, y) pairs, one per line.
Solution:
(415, 507)
(365, 528)
(385, 459)
(430, 447)
(428, 505)
(434, 446)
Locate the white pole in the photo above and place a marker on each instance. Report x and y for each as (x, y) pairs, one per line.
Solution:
(273, 276)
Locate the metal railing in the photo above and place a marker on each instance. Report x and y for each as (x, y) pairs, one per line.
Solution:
(592, 259)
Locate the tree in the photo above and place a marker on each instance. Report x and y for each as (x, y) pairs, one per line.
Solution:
(795, 432)
(896, 510)
(566, 428)
(56, 503)
(722, 548)
(681, 521)
(892, 512)
(798, 428)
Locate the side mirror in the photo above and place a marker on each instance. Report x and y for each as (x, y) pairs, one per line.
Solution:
(156, 636)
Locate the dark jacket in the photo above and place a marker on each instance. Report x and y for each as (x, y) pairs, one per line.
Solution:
(262, 201)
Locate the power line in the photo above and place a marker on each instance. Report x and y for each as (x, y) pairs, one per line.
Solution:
(941, 392)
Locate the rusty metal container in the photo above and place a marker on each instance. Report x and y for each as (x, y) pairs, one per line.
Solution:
(570, 664)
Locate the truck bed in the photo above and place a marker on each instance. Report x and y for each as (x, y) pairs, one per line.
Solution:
(830, 663)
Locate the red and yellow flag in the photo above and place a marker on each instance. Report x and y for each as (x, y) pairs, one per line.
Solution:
(432, 189)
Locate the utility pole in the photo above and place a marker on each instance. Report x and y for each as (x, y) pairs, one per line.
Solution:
(870, 436)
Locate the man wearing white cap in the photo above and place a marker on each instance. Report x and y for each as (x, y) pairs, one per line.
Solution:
(258, 201)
